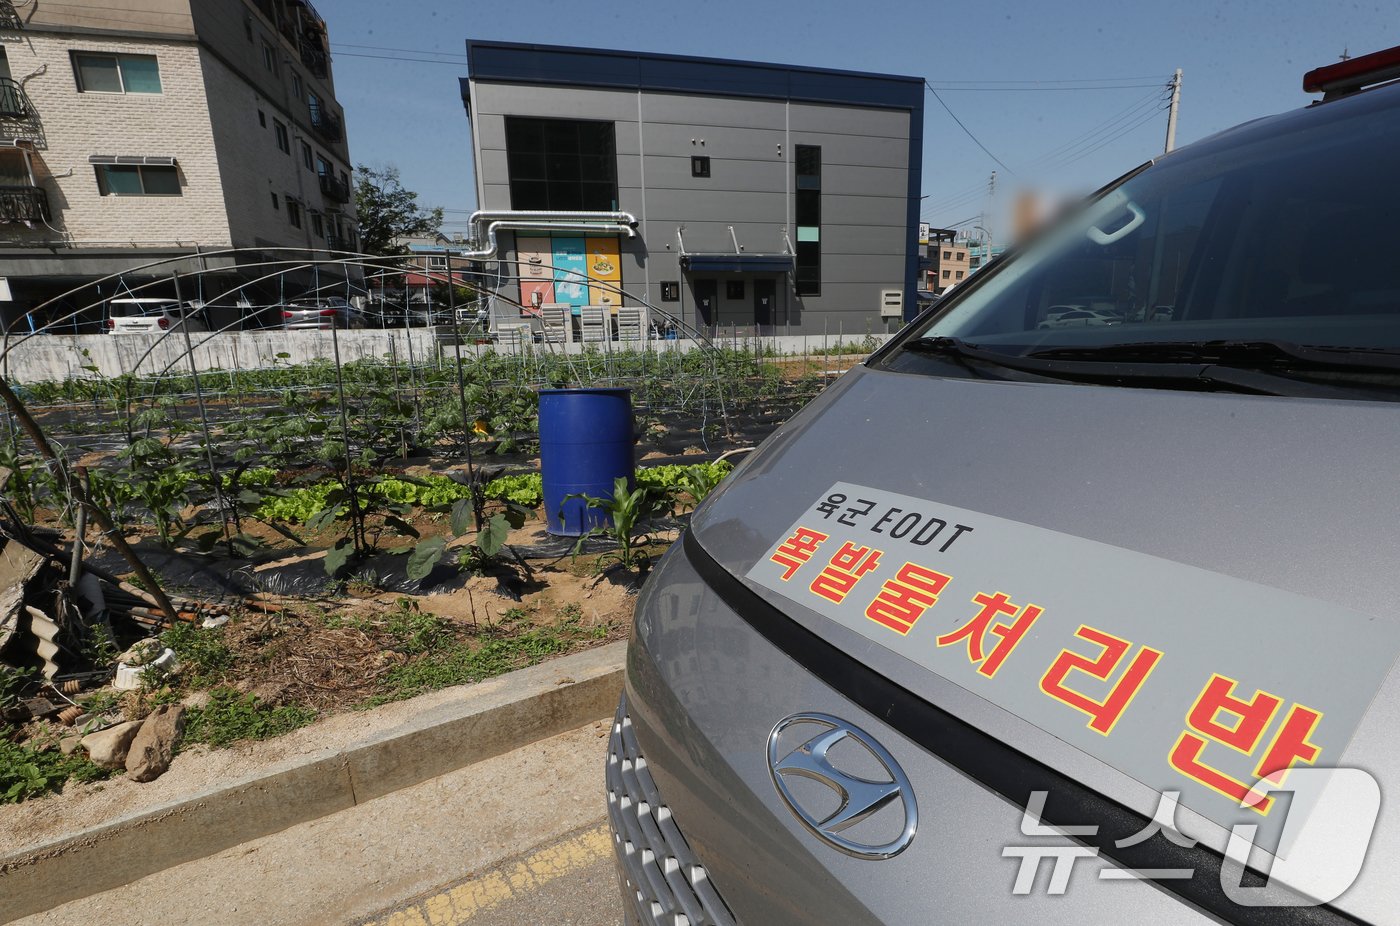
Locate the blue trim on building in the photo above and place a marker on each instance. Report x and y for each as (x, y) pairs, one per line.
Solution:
(738, 263)
(513, 62)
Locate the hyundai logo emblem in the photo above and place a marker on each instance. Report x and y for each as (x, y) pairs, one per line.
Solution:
(858, 798)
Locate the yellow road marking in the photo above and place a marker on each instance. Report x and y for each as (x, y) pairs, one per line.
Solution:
(461, 903)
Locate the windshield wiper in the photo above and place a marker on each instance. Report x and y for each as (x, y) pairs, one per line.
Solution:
(1243, 354)
(1164, 370)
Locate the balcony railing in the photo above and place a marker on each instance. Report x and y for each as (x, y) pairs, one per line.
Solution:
(23, 204)
(9, 18)
(14, 104)
(334, 189)
(314, 57)
(325, 122)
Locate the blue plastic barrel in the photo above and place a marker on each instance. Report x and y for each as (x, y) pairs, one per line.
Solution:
(586, 442)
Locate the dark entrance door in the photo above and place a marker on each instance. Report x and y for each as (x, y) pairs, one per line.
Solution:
(765, 293)
(705, 293)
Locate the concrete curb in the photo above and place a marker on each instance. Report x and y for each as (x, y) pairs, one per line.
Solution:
(485, 721)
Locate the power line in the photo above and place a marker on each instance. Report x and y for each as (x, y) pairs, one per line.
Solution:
(1083, 80)
(1017, 89)
(984, 148)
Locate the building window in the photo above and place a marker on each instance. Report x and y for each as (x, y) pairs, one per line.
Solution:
(306, 157)
(262, 119)
(562, 164)
(275, 204)
(318, 225)
(284, 141)
(248, 27)
(116, 73)
(297, 90)
(293, 212)
(127, 180)
(962, 255)
(947, 274)
(734, 289)
(670, 291)
(947, 255)
(700, 166)
(269, 56)
(958, 276)
(808, 261)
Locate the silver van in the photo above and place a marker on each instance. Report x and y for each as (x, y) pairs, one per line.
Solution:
(1063, 623)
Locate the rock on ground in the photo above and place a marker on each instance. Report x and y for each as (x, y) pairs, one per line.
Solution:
(154, 746)
(109, 746)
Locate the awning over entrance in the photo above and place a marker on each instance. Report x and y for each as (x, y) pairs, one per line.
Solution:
(737, 263)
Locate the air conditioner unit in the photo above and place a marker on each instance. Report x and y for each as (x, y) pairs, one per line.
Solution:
(891, 303)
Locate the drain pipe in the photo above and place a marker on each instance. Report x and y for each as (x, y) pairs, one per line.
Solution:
(489, 251)
(481, 216)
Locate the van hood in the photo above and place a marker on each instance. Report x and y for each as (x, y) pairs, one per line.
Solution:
(1096, 576)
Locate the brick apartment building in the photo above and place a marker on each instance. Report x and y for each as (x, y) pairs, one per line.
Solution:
(162, 129)
(947, 263)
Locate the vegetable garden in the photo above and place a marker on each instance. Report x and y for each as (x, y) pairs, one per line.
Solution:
(320, 536)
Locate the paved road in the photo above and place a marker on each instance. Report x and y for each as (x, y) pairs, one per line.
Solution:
(515, 839)
(570, 882)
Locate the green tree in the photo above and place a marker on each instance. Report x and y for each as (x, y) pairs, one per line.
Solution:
(386, 211)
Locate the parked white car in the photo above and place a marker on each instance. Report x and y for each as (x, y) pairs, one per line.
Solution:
(153, 316)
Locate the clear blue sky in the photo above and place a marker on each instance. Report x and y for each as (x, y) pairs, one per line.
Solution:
(1240, 60)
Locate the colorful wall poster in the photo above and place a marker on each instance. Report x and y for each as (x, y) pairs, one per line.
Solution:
(604, 271)
(570, 272)
(534, 258)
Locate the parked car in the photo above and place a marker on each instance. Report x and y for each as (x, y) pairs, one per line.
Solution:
(1016, 624)
(153, 315)
(1075, 318)
(324, 313)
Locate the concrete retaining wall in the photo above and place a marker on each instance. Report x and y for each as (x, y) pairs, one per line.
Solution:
(56, 357)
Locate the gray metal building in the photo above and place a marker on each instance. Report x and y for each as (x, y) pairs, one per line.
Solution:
(765, 196)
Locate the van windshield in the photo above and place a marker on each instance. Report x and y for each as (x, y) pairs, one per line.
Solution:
(1283, 232)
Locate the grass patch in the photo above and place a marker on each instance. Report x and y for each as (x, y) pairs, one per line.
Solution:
(513, 644)
(231, 716)
(204, 655)
(26, 772)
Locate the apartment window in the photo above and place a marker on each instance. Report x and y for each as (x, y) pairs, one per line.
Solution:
(670, 291)
(293, 212)
(318, 225)
(296, 85)
(958, 275)
(962, 255)
(437, 263)
(269, 56)
(284, 141)
(262, 119)
(947, 255)
(700, 166)
(734, 289)
(275, 204)
(323, 167)
(306, 156)
(566, 164)
(344, 180)
(129, 180)
(808, 262)
(248, 27)
(116, 73)
(947, 274)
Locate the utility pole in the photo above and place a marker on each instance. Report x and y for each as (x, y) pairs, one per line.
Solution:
(986, 222)
(1171, 111)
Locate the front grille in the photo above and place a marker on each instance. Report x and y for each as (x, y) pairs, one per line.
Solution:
(664, 879)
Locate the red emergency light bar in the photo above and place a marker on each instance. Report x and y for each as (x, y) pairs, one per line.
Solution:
(1351, 75)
